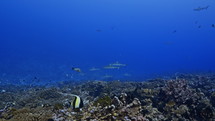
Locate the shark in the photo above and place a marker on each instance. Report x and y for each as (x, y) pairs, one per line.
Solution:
(201, 8)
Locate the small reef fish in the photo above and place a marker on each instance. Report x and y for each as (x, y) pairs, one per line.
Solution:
(201, 8)
(77, 103)
(76, 69)
(94, 69)
(111, 67)
(117, 64)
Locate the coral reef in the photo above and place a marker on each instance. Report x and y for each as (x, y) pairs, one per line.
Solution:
(119, 109)
(185, 102)
(182, 98)
(26, 114)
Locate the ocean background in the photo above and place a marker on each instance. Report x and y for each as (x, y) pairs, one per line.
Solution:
(41, 40)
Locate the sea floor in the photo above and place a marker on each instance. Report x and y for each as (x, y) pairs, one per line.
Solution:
(187, 97)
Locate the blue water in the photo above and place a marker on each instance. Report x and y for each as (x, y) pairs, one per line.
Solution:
(44, 39)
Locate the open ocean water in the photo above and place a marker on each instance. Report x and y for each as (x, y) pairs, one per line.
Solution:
(98, 49)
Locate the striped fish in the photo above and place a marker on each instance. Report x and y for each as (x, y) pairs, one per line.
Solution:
(77, 103)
